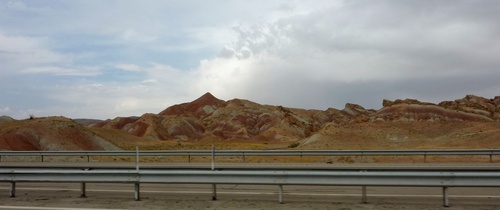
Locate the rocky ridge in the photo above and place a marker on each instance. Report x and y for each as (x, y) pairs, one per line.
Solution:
(211, 118)
(470, 122)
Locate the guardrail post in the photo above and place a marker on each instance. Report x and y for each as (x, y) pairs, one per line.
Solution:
(137, 192)
(88, 158)
(214, 186)
(446, 202)
(213, 157)
(13, 189)
(137, 158)
(42, 158)
(491, 158)
(83, 193)
(425, 157)
(363, 195)
(189, 158)
(214, 192)
(137, 188)
(280, 194)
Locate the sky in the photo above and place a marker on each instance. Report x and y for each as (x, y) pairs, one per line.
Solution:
(103, 59)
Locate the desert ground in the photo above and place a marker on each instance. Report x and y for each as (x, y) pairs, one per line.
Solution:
(66, 196)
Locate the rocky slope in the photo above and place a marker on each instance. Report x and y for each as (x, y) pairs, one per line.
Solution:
(470, 122)
(210, 118)
(51, 133)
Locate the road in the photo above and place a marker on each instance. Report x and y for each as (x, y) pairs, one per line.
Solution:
(160, 196)
(182, 196)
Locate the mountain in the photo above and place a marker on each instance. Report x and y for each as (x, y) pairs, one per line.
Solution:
(470, 122)
(211, 118)
(50, 133)
(86, 122)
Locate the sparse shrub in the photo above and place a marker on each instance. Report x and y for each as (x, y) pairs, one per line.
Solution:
(344, 159)
(293, 145)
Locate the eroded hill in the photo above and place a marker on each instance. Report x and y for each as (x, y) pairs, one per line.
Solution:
(211, 119)
(470, 122)
(50, 133)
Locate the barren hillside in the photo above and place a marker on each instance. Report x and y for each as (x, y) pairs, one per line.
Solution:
(51, 133)
(470, 122)
(406, 135)
(4, 118)
(241, 120)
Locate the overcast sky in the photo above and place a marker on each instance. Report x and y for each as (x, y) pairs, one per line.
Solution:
(103, 59)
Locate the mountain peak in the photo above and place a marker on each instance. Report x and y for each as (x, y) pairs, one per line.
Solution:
(205, 99)
(193, 106)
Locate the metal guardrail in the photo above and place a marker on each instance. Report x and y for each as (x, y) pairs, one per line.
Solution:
(244, 153)
(364, 179)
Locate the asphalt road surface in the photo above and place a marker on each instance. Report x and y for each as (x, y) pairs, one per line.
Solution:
(167, 196)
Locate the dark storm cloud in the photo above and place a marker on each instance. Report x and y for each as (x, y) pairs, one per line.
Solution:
(363, 52)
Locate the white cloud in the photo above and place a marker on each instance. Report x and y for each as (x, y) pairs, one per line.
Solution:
(19, 52)
(163, 86)
(356, 45)
(58, 71)
(127, 103)
(12, 5)
(312, 54)
(149, 81)
(131, 35)
(127, 66)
